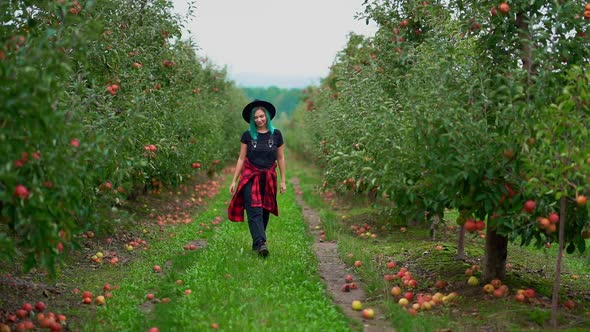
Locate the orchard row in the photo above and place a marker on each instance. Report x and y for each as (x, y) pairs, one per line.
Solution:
(101, 101)
(481, 108)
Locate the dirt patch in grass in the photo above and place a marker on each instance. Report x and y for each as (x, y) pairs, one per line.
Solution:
(334, 271)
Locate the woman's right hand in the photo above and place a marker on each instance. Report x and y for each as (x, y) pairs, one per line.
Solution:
(232, 188)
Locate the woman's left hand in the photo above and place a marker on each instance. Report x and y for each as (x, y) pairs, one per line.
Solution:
(283, 188)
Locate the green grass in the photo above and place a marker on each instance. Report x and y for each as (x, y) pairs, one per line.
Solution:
(474, 310)
(230, 284)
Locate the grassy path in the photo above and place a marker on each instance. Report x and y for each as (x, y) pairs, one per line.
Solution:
(231, 288)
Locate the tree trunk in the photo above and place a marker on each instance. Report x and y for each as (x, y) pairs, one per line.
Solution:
(461, 243)
(555, 294)
(524, 35)
(496, 254)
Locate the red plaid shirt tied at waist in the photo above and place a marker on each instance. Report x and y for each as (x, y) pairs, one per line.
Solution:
(235, 211)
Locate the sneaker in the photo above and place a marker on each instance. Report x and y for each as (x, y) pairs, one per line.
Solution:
(263, 250)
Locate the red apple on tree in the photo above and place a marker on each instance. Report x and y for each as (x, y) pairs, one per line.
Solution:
(570, 304)
(504, 8)
(21, 191)
(529, 206)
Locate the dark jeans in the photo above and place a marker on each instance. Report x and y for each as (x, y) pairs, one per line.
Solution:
(257, 217)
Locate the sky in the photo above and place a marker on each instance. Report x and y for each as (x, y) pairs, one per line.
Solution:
(284, 43)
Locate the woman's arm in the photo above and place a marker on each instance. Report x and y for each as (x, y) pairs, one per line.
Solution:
(281, 161)
(239, 165)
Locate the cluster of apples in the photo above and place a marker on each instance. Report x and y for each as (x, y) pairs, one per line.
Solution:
(150, 150)
(408, 299)
(190, 246)
(496, 288)
(349, 285)
(322, 234)
(472, 225)
(327, 196)
(136, 243)
(469, 272)
(403, 274)
(367, 313)
(24, 319)
(413, 303)
(365, 231)
(88, 298)
(549, 223)
(112, 89)
(174, 219)
(109, 256)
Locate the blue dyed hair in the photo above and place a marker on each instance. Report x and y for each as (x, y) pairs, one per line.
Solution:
(269, 126)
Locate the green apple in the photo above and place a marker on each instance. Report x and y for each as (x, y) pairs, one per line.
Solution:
(357, 305)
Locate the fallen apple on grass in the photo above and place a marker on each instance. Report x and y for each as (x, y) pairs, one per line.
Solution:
(357, 305)
(488, 288)
(520, 297)
(440, 284)
(409, 296)
(368, 313)
(100, 300)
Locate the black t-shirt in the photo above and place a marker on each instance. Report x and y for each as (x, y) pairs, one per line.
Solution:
(262, 152)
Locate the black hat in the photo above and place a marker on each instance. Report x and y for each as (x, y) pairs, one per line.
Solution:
(258, 103)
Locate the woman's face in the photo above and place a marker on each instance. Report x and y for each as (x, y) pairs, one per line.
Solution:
(260, 118)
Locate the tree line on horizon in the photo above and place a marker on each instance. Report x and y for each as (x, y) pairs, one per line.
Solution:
(285, 100)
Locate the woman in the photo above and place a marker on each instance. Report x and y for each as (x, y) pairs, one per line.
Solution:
(261, 150)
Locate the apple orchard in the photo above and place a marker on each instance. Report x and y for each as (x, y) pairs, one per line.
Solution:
(99, 105)
(478, 107)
